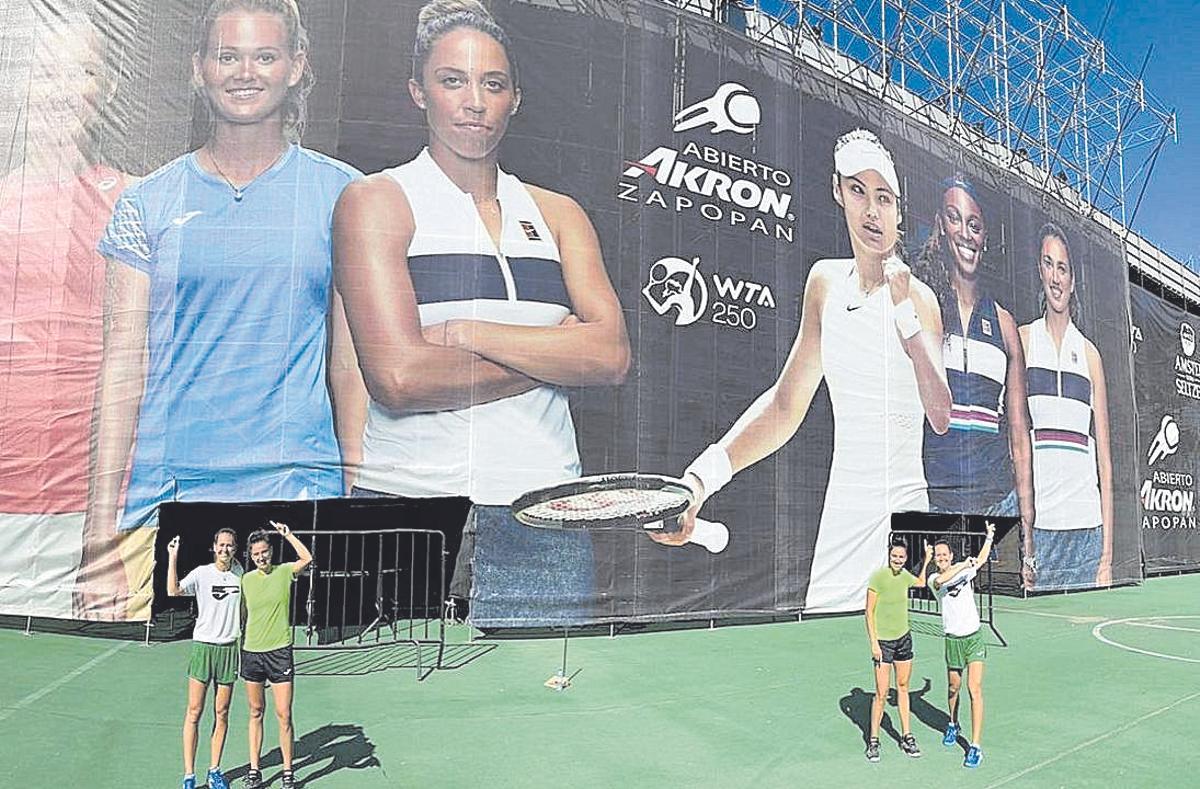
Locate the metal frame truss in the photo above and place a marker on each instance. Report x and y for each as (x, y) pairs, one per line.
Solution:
(1021, 82)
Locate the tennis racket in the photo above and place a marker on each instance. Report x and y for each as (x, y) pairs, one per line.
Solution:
(618, 502)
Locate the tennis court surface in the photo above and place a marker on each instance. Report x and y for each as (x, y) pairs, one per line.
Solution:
(1095, 689)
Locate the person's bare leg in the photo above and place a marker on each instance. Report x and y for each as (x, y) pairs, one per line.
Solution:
(903, 673)
(282, 695)
(953, 685)
(975, 688)
(882, 681)
(221, 701)
(191, 723)
(256, 699)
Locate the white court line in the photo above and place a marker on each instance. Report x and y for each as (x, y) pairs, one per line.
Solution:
(1094, 740)
(1164, 627)
(63, 680)
(1076, 619)
(1141, 621)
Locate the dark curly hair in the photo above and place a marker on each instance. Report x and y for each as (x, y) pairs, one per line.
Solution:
(933, 265)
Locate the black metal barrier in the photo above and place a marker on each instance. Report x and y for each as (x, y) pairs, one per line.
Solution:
(964, 543)
(374, 588)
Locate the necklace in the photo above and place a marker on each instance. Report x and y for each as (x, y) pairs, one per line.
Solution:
(240, 191)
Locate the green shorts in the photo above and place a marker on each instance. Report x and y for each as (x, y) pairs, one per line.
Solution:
(961, 650)
(213, 663)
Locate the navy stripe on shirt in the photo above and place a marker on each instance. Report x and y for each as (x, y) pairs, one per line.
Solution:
(465, 276)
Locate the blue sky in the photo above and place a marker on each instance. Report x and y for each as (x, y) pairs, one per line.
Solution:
(1170, 213)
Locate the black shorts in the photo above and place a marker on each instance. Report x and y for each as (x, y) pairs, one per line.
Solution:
(897, 650)
(275, 666)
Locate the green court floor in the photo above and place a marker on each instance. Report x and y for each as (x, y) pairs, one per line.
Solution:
(1096, 689)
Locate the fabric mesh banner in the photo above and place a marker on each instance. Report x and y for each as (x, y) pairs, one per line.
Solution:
(261, 251)
(1167, 382)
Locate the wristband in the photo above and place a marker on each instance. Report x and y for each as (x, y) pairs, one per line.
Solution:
(712, 468)
(906, 319)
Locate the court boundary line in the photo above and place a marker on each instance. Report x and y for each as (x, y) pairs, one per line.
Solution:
(37, 695)
(1079, 619)
(1137, 621)
(1098, 738)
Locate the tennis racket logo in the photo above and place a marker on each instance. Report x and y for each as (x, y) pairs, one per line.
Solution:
(732, 107)
(676, 284)
(1166, 441)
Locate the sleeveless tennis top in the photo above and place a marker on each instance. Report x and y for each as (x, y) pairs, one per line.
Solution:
(878, 418)
(1065, 482)
(494, 451)
(969, 468)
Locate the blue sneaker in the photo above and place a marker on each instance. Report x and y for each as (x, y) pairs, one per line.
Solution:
(216, 780)
(974, 757)
(189, 782)
(951, 735)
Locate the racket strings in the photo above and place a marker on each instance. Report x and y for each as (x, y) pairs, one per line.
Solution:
(609, 505)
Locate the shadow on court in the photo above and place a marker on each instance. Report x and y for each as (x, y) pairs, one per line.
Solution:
(356, 662)
(319, 753)
(856, 705)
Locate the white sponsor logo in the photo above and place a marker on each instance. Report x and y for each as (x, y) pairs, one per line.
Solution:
(722, 187)
(180, 221)
(1187, 339)
(677, 284)
(1167, 499)
(1165, 442)
(732, 107)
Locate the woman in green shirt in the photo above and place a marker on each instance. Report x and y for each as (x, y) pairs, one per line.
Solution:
(267, 643)
(891, 641)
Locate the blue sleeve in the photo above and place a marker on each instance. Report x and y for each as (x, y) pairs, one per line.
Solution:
(125, 237)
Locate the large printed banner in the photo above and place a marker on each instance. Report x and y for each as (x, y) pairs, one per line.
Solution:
(1167, 384)
(378, 249)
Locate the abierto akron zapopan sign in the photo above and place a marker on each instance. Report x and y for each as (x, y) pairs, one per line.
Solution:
(1167, 381)
(610, 250)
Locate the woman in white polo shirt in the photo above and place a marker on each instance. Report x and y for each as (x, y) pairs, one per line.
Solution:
(474, 300)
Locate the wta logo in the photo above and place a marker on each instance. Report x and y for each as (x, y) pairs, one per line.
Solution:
(676, 284)
(731, 108)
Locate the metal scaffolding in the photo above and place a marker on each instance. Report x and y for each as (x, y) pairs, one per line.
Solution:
(1023, 83)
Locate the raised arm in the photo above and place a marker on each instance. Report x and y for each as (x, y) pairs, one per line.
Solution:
(101, 585)
(304, 556)
(173, 568)
(923, 342)
(594, 350)
(1016, 411)
(986, 550)
(920, 582)
(372, 228)
(1103, 462)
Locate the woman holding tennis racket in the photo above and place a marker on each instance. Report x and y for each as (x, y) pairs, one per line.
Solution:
(1072, 462)
(219, 291)
(873, 332)
(473, 299)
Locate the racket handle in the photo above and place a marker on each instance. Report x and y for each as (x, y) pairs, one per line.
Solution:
(712, 535)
